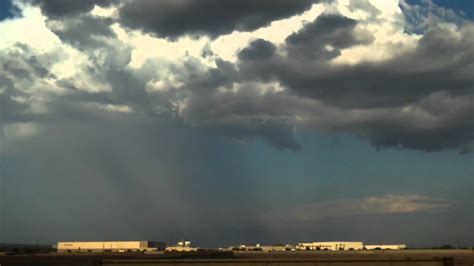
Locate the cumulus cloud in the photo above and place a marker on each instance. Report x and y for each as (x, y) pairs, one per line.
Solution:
(381, 101)
(25, 80)
(271, 90)
(364, 6)
(384, 102)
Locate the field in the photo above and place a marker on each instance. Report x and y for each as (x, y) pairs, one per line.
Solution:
(303, 258)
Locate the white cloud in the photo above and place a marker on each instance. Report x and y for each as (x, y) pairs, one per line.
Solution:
(146, 47)
(29, 29)
(66, 62)
(104, 12)
(169, 66)
(387, 27)
(113, 108)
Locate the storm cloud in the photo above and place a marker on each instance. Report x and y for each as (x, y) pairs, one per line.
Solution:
(258, 50)
(83, 32)
(382, 101)
(208, 17)
(323, 38)
(273, 90)
(62, 8)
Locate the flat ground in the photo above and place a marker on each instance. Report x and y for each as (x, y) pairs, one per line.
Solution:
(299, 258)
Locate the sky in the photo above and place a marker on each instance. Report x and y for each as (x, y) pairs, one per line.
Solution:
(267, 121)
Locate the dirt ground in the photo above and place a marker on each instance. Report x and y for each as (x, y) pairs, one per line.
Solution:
(303, 258)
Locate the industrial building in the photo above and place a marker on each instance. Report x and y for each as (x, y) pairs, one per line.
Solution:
(330, 246)
(264, 248)
(385, 247)
(182, 246)
(111, 246)
(341, 245)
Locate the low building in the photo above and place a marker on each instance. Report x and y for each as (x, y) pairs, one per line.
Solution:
(111, 246)
(385, 247)
(264, 248)
(336, 245)
(305, 246)
(182, 246)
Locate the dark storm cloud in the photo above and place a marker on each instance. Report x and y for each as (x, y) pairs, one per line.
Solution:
(420, 129)
(233, 115)
(334, 30)
(258, 50)
(62, 8)
(327, 30)
(84, 31)
(368, 99)
(440, 63)
(128, 87)
(174, 18)
(207, 80)
(389, 103)
(239, 116)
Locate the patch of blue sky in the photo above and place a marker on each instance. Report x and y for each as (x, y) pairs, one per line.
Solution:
(8, 10)
(453, 11)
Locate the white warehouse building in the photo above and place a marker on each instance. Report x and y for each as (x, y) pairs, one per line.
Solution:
(110, 246)
(385, 247)
(330, 246)
(344, 245)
